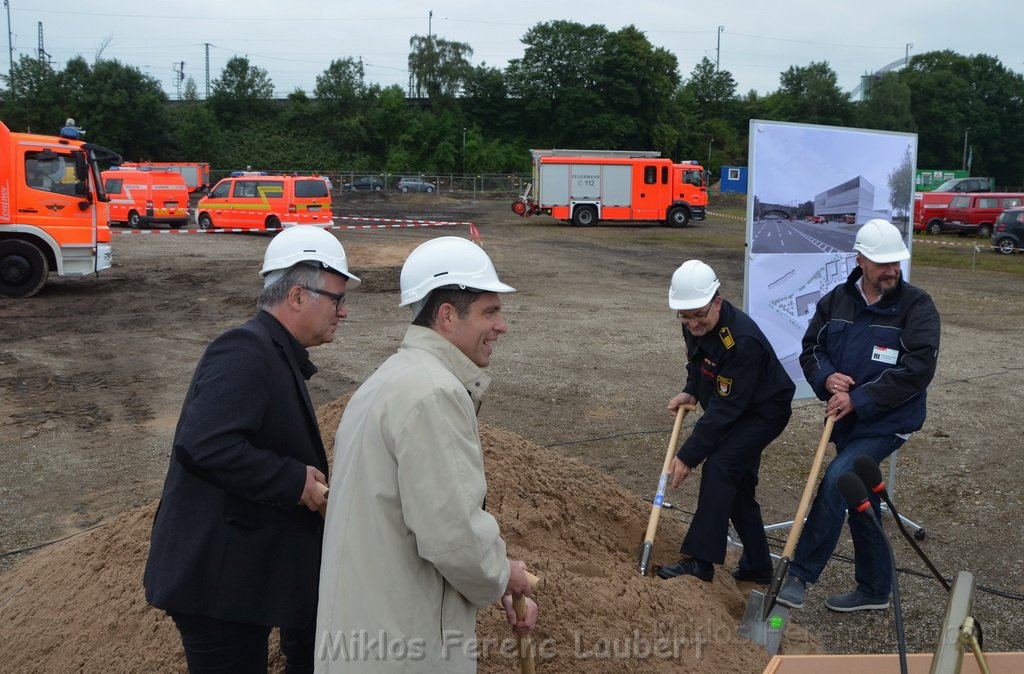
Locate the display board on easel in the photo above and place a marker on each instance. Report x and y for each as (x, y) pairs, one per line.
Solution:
(811, 188)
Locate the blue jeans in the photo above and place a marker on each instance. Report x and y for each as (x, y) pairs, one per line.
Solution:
(872, 568)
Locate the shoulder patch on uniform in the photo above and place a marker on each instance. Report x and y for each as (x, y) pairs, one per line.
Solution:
(726, 338)
(724, 386)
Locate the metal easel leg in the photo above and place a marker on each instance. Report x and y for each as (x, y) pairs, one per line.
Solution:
(919, 532)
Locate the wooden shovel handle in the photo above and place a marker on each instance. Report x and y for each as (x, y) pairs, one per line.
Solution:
(652, 523)
(805, 499)
(525, 642)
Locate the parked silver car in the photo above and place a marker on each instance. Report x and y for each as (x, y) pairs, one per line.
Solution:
(415, 185)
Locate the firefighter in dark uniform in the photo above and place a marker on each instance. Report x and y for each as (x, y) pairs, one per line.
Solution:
(746, 397)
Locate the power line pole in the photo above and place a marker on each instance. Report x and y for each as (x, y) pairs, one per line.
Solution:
(718, 49)
(179, 71)
(44, 58)
(10, 47)
(207, 70)
(906, 59)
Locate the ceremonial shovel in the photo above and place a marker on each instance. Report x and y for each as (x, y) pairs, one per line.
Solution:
(765, 619)
(659, 498)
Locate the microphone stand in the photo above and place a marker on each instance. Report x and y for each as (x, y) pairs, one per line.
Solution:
(910, 539)
(855, 493)
(901, 639)
(924, 558)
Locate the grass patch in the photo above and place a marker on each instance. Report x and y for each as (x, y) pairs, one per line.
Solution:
(959, 253)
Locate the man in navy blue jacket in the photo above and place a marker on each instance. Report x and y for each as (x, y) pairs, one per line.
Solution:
(236, 542)
(870, 351)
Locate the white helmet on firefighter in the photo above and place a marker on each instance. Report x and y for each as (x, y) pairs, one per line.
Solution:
(306, 243)
(881, 242)
(693, 286)
(447, 261)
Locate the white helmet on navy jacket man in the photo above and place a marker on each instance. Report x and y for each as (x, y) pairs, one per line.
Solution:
(881, 242)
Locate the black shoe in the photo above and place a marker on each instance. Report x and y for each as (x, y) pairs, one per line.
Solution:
(761, 577)
(688, 567)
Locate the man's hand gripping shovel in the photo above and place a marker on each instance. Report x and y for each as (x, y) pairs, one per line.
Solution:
(765, 619)
(659, 498)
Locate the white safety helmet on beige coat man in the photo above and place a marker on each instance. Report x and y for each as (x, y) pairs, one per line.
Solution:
(693, 286)
(881, 242)
(310, 244)
(447, 261)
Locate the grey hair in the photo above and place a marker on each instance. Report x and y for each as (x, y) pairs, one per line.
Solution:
(300, 274)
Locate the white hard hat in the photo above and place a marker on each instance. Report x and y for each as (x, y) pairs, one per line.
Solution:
(881, 242)
(693, 286)
(445, 261)
(306, 243)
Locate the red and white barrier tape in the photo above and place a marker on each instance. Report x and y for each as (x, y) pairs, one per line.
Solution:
(384, 223)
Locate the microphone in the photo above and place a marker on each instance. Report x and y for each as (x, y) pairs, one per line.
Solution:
(856, 495)
(871, 475)
(854, 492)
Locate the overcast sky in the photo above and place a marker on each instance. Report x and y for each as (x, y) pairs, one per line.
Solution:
(295, 40)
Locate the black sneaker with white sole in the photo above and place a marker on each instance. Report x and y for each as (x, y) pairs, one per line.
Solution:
(858, 600)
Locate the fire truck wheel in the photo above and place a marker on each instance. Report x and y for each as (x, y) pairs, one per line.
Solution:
(23, 269)
(678, 217)
(133, 220)
(584, 216)
(935, 228)
(205, 222)
(272, 223)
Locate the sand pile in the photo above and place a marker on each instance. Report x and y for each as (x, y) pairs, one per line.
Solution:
(78, 606)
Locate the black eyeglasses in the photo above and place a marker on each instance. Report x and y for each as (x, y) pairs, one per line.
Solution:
(695, 317)
(338, 299)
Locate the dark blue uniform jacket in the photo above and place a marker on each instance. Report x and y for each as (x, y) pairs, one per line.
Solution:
(734, 372)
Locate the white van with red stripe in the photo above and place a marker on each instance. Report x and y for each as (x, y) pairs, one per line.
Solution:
(142, 198)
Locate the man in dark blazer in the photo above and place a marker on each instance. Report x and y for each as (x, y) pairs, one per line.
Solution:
(236, 541)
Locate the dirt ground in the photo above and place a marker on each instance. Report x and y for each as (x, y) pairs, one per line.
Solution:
(93, 371)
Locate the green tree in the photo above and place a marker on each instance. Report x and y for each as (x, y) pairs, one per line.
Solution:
(35, 101)
(196, 134)
(636, 82)
(901, 184)
(712, 89)
(812, 95)
(126, 109)
(956, 98)
(555, 82)
(341, 84)
(241, 94)
(887, 106)
(439, 67)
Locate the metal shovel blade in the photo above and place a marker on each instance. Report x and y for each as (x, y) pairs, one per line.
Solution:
(754, 627)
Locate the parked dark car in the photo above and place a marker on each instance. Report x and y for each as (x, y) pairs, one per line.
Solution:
(415, 185)
(364, 183)
(1008, 234)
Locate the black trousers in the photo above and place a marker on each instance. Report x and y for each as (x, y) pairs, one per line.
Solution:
(222, 647)
(728, 481)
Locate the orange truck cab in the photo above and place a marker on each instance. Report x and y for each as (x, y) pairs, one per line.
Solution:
(266, 202)
(53, 215)
(141, 198)
(585, 186)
